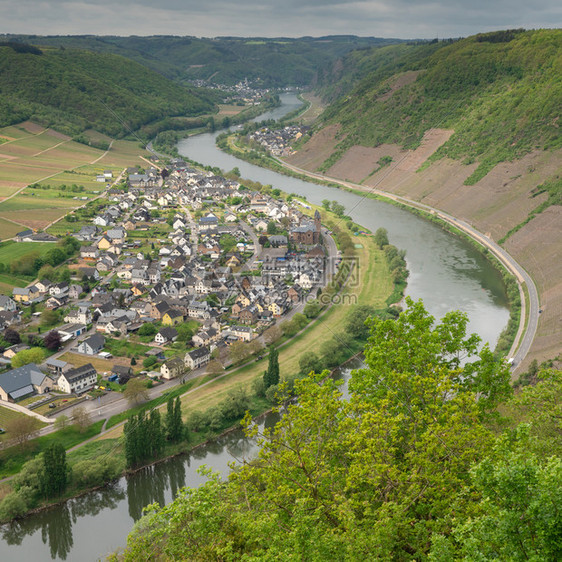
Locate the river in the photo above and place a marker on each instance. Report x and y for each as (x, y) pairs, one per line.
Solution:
(445, 271)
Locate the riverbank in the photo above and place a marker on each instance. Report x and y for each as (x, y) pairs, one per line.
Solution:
(363, 279)
(517, 337)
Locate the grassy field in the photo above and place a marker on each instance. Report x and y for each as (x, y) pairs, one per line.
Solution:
(11, 251)
(7, 415)
(14, 457)
(9, 229)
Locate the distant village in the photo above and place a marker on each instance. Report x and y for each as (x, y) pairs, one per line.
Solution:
(176, 267)
(278, 141)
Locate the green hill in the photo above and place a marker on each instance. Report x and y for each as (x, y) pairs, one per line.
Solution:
(500, 92)
(270, 62)
(71, 90)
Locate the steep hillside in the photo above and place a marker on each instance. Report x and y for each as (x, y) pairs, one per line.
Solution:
(470, 127)
(270, 62)
(500, 92)
(71, 90)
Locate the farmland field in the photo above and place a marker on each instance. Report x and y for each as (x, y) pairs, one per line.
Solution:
(9, 229)
(31, 154)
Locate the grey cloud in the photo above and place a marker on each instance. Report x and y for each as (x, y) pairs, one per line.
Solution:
(386, 18)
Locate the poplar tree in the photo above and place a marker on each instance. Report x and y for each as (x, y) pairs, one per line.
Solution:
(271, 376)
(55, 471)
(174, 424)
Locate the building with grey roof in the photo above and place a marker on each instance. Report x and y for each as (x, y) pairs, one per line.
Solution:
(24, 381)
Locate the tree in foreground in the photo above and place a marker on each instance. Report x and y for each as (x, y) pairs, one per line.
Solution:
(380, 475)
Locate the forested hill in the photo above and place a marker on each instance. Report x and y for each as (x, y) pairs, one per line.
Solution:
(71, 90)
(267, 62)
(500, 92)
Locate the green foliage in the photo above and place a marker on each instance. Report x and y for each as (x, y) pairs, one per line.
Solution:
(148, 329)
(295, 325)
(519, 516)
(26, 356)
(381, 237)
(144, 438)
(271, 375)
(89, 473)
(310, 362)
(54, 477)
(312, 309)
(356, 322)
(174, 423)
(501, 98)
(61, 89)
(226, 60)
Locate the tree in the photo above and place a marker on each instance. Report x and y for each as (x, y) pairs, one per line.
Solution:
(312, 309)
(214, 367)
(135, 391)
(133, 361)
(356, 321)
(271, 376)
(61, 422)
(238, 352)
(148, 329)
(55, 471)
(21, 429)
(381, 237)
(52, 340)
(518, 517)
(338, 208)
(26, 356)
(149, 361)
(11, 336)
(263, 240)
(272, 334)
(174, 424)
(81, 418)
(413, 348)
(49, 318)
(271, 227)
(326, 204)
(310, 362)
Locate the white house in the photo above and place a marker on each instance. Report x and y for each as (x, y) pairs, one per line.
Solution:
(197, 358)
(78, 380)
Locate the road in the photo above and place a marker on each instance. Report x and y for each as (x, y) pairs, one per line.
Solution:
(529, 307)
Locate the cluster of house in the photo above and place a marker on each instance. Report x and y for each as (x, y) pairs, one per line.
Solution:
(186, 274)
(278, 141)
(242, 91)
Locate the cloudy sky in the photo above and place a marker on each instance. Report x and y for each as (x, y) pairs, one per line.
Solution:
(274, 18)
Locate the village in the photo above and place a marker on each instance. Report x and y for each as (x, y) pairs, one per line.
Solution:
(176, 271)
(278, 141)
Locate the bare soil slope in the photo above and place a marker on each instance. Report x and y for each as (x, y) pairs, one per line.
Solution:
(316, 150)
(538, 247)
(499, 202)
